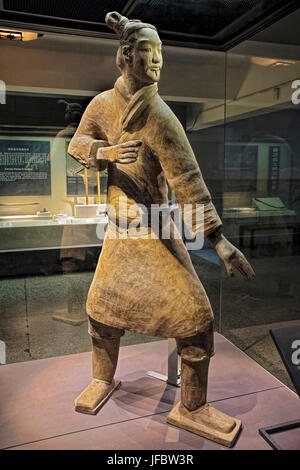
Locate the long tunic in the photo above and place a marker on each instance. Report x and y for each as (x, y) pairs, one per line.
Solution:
(147, 285)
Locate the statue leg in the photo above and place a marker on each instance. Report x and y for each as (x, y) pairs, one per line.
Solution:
(193, 413)
(105, 353)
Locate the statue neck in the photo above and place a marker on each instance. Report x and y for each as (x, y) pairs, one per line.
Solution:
(132, 84)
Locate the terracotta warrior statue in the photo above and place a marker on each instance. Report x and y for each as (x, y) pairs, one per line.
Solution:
(148, 284)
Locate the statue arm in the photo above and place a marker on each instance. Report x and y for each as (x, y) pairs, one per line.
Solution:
(177, 159)
(88, 138)
(90, 146)
(182, 171)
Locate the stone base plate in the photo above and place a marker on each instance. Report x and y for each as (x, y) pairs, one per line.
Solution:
(191, 422)
(87, 411)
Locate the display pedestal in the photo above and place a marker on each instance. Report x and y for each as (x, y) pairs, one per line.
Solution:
(84, 211)
(285, 339)
(37, 403)
(269, 433)
(173, 377)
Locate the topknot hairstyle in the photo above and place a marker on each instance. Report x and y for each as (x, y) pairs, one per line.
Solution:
(124, 27)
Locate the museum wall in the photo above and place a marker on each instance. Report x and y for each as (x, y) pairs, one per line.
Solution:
(83, 64)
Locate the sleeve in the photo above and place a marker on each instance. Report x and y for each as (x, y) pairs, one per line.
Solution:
(88, 138)
(170, 145)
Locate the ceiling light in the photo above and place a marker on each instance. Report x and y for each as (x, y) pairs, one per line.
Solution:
(16, 35)
(265, 62)
(282, 63)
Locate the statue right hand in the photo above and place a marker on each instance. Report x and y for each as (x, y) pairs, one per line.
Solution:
(122, 153)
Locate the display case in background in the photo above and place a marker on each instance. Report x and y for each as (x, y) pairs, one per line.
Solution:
(240, 112)
(261, 190)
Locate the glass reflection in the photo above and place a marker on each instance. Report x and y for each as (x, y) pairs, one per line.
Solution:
(261, 198)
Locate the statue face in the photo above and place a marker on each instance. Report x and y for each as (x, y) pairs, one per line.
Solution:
(146, 62)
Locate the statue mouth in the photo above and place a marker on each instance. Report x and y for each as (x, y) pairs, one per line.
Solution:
(155, 69)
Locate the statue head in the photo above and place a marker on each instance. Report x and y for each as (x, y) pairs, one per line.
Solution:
(139, 54)
(73, 112)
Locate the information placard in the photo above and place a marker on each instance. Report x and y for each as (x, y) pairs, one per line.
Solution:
(25, 168)
(274, 169)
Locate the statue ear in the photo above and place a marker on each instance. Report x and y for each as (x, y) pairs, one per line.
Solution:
(127, 54)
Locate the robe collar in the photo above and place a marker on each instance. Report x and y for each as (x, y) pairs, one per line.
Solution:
(135, 104)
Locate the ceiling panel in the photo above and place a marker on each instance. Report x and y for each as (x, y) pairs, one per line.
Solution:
(215, 24)
(84, 10)
(200, 18)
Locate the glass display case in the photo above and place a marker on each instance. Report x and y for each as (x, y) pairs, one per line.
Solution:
(240, 110)
(50, 239)
(261, 193)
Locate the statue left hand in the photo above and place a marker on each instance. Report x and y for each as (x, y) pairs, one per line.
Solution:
(233, 259)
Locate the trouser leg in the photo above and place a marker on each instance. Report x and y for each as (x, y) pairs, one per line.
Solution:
(106, 344)
(193, 413)
(75, 314)
(195, 355)
(105, 358)
(194, 378)
(105, 352)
